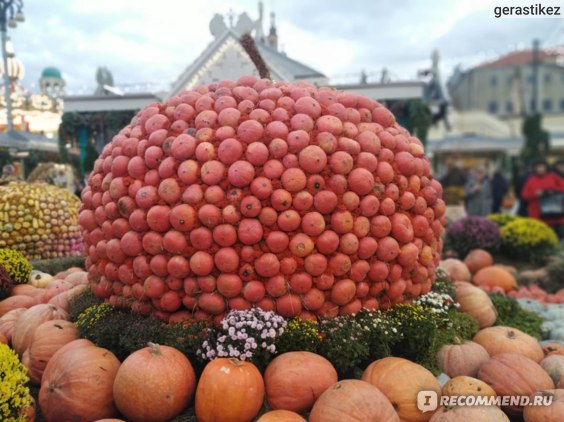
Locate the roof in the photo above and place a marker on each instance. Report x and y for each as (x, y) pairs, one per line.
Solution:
(51, 72)
(281, 66)
(519, 58)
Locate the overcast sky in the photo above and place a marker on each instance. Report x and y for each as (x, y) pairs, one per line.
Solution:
(150, 41)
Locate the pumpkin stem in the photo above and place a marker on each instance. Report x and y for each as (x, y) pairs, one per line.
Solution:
(236, 361)
(511, 334)
(457, 340)
(155, 348)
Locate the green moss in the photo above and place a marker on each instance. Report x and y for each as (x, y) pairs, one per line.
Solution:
(57, 265)
(16, 264)
(510, 314)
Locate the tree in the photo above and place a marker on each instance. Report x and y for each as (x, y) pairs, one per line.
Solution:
(537, 140)
(420, 119)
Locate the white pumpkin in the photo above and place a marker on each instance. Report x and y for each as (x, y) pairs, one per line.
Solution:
(40, 279)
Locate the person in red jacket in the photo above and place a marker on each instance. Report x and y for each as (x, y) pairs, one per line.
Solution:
(558, 170)
(542, 182)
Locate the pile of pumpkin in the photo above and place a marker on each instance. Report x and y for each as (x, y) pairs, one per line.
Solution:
(499, 361)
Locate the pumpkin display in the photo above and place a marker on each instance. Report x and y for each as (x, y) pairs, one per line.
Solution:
(401, 380)
(77, 383)
(27, 290)
(39, 279)
(77, 278)
(229, 390)
(353, 401)
(467, 386)
(462, 358)
(456, 269)
(553, 349)
(262, 179)
(294, 380)
(512, 374)
(469, 413)
(158, 392)
(554, 366)
(8, 321)
(62, 299)
(478, 259)
(281, 415)
(551, 413)
(47, 339)
(15, 302)
(29, 321)
(502, 339)
(476, 303)
(3, 339)
(495, 276)
(55, 288)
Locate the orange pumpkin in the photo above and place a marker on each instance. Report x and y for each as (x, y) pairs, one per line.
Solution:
(476, 303)
(26, 290)
(29, 321)
(401, 380)
(456, 269)
(281, 415)
(551, 413)
(462, 358)
(47, 339)
(294, 380)
(467, 386)
(77, 384)
(550, 349)
(353, 401)
(509, 340)
(495, 276)
(62, 299)
(229, 390)
(554, 366)
(478, 259)
(8, 321)
(512, 374)
(29, 412)
(77, 278)
(469, 414)
(3, 339)
(15, 302)
(154, 384)
(56, 287)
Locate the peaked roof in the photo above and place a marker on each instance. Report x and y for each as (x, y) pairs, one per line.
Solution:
(518, 58)
(281, 66)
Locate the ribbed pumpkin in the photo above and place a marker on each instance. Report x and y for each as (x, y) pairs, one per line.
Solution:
(281, 415)
(295, 380)
(401, 380)
(476, 303)
(456, 269)
(462, 358)
(353, 401)
(55, 288)
(478, 259)
(512, 374)
(15, 302)
(77, 383)
(495, 276)
(47, 339)
(62, 299)
(552, 413)
(469, 414)
(229, 390)
(29, 321)
(154, 384)
(467, 386)
(550, 349)
(502, 339)
(29, 412)
(8, 321)
(554, 366)
(3, 339)
(27, 290)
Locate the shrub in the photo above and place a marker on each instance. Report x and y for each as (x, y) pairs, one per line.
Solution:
(528, 238)
(16, 264)
(380, 332)
(79, 303)
(6, 283)
(299, 335)
(473, 232)
(14, 394)
(511, 314)
(502, 219)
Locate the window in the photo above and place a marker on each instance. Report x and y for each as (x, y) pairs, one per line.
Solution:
(547, 78)
(547, 105)
(493, 80)
(562, 104)
(492, 107)
(509, 107)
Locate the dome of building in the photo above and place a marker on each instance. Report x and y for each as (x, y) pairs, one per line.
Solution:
(51, 72)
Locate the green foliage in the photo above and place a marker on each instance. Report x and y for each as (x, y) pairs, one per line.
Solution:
(537, 140)
(16, 264)
(57, 265)
(380, 333)
(420, 119)
(443, 284)
(299, 335)
(14, 394)
(555, 271)
(502, 219)
(79, 303)
(510, 314)
(529, 239)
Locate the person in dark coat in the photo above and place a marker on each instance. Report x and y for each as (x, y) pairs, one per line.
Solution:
(520, 180)
(500, 188)
(478, 194)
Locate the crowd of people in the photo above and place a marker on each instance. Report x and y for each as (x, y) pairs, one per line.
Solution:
(538, 188)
